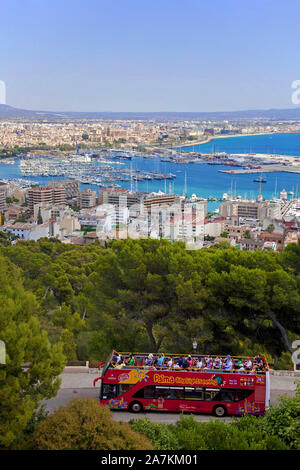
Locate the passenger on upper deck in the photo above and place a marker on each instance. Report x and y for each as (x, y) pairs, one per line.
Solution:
(121, 364)
(130, 360)
(149, 360)
(199, 363)
(228, 363)
(186, 364)
(217, 364)
(170, 363)
(160, 360)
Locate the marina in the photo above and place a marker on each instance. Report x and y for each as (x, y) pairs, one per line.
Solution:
(208, 175)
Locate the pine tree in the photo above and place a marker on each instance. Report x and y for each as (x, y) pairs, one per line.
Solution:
(32, 364)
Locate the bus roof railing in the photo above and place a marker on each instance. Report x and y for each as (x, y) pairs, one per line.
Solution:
(192, 368)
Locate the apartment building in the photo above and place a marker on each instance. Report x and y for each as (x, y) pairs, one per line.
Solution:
(161, 199)
(3, 187)
(88, 198)
(251, 209)
(118, 197)
(72, 187)
(46, 195)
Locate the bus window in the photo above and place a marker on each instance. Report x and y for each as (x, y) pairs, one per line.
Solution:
(210, 393)
(191, 393)
(109, 391)
(161, 392)
(123, 388)
(175, 393)
(227, 394)
(145, 392)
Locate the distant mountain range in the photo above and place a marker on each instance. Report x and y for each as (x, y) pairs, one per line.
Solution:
(9, 112)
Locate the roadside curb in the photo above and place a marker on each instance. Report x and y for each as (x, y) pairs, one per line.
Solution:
(281, 373)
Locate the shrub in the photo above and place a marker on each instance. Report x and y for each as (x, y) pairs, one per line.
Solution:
(246, 433)
(85, 425)
(283, 420)
(160, 435)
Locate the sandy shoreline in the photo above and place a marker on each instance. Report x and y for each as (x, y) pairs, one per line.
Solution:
(210, 138)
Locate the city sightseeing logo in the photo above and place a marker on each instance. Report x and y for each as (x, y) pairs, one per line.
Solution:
(2, 92)
(219, 379)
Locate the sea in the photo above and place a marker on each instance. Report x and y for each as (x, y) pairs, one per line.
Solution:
(205, 180)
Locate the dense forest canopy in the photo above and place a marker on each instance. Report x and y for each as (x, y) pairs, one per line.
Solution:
(150, 295)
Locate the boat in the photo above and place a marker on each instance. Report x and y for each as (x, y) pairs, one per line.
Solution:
(260, 179)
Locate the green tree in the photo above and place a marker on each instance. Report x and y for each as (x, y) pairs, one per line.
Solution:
(32, 364)
(39, 217)
(270, 228)
(69, 345)
(86, 425)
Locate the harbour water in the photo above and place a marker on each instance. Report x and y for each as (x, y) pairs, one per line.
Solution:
(202, 179)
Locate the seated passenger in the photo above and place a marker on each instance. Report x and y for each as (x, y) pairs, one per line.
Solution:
(217, 363)
(190, 361)
(260, 367)
(131, 360)
(208, 363)
(170, 363)
(228, 363)
(237, 364)
(248, 364)
(160, 360)
(121, 364)
(149, 360)
(185, 364)
(180, 362)
(258, 359)
(118, 359)
(199, 363)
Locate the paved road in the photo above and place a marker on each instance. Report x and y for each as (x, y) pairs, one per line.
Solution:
(78, 386)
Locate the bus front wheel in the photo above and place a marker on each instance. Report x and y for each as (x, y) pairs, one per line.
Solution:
(135, 407)
(219, 411)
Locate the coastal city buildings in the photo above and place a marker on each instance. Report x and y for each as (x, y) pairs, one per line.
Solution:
(118, 213)
(105, 132)
(86, 161)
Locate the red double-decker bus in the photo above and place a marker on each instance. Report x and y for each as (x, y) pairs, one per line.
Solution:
(128, 383)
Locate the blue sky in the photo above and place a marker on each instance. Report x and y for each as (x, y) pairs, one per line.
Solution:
(149, 55)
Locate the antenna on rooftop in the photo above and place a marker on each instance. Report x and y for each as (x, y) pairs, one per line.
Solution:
(185, 186)
(131, 181)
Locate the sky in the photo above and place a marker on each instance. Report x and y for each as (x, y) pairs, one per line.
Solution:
(149, 55)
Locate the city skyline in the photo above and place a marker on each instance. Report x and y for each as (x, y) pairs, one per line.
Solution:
(127, 57)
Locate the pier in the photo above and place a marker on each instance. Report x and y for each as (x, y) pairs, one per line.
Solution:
(275, 168)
